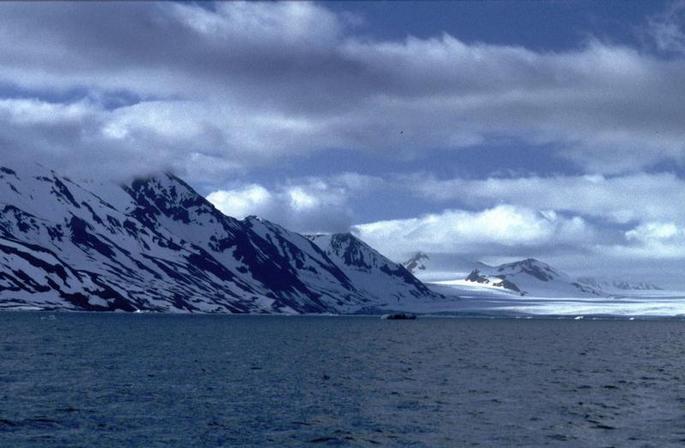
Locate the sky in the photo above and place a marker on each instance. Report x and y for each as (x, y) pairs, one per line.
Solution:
(468, 130)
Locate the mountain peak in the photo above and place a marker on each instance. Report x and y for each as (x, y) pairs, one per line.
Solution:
(155, 244)
(380, 276)
(528, 262)
(416, 262)
(345, 236)
(531, 266)
(618, 284)
(352, 250)
(531, 276)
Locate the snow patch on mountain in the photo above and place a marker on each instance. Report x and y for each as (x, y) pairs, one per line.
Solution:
(388, 283)
(618, 285)
(155, 244)
(530, 277)
(416, 262)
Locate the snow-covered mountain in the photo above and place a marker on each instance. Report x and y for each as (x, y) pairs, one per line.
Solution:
(417, 262)
(527, 277)
(375, 275)
(432, 267)
(155, 244)
(618, 285)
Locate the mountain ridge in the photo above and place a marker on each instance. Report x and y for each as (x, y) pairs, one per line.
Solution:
(366, 267)
(531, 277)
(154, 244)
(501, 277)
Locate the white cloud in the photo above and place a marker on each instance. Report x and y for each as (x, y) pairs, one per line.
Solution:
(469, 232)
(646, 201)
(301, 200)
(35, 112)
(655, 231)
(619, 199)
(288, 23)
(248, 200)
(253, 82)
(313, 206)
(650, 241)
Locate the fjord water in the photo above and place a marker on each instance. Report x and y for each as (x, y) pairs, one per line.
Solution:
(109, 380)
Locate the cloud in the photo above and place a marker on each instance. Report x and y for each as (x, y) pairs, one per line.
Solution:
(475, 232)
(256, 200)
(22, 112)
(651, 241)
(246, 84)
(85, 139)
(312, 206)
(666, 28)
(248, 200)
(619, 199)
(282, 24)
(631, 216)
(218, 91)
(655, 231)
(455, 239)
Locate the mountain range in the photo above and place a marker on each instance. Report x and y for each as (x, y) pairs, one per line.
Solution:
(155, 244)
(531, 277)
(528, 277)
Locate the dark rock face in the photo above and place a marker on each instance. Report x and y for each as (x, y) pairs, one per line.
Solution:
(155, 244)
(502, 282)
(533, 267)
(531, 277)
(475, 276)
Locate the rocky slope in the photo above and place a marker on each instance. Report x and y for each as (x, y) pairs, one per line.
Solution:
(529, 277)
(372, 273)
(154, 244)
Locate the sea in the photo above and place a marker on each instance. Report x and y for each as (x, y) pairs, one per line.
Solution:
(147, 380)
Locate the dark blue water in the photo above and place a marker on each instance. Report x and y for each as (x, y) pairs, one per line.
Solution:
(103, 380)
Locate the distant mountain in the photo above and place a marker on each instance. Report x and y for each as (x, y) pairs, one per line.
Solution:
(416, 262)
(432, 267)
(155, 244)
(618, 285)
(530, 277)
(388, 282)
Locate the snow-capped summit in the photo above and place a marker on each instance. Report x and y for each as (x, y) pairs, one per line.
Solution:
(530, 277)
(417, 262)
(375, 274)
(531, 266)
(155, 244)
(434, 267)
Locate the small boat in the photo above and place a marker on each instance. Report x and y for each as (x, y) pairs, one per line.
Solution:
(399, 316)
